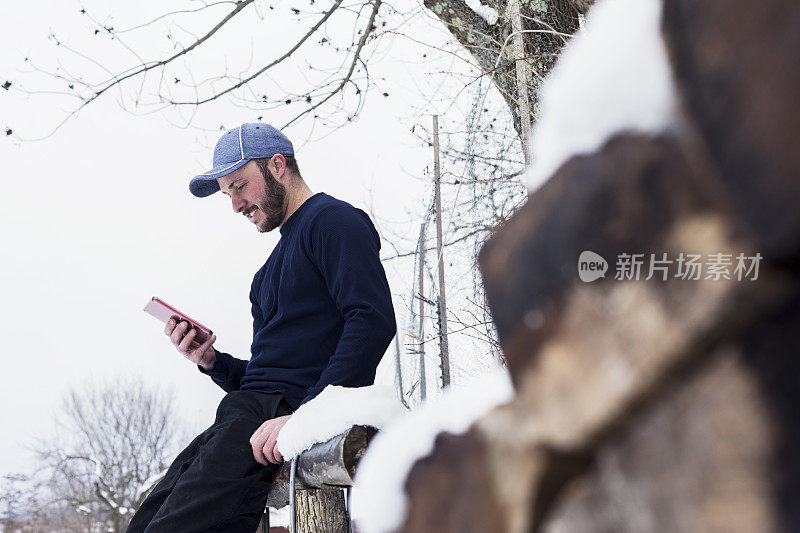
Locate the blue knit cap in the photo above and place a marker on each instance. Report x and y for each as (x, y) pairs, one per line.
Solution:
(235, 148)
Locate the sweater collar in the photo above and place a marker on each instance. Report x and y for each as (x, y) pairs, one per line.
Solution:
(297, 215)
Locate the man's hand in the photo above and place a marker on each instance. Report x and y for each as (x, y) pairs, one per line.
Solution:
(264, 441)
(199, 354)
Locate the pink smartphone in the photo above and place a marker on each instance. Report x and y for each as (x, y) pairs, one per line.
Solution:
(163, 311)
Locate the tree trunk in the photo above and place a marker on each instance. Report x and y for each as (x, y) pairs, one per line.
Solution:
(321, 511)
(547, 18)
(444, 355)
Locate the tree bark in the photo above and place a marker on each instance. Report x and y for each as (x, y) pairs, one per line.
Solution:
(444, 356)
(484, 42)
(321, 511)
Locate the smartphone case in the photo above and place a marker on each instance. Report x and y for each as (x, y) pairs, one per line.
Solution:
(163, 311)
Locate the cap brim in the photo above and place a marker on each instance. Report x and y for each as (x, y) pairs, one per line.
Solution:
(206, 184)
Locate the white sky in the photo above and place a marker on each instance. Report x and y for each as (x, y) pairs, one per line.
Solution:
(97, 218)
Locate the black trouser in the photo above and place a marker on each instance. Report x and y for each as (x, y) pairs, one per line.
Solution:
(215, 484)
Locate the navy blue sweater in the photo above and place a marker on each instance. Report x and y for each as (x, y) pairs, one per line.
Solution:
(322, 311)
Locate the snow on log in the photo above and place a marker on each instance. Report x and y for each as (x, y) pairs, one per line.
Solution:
(333, 412)
(613, 77)
(327, 464)
(379, 499)
(487, 13)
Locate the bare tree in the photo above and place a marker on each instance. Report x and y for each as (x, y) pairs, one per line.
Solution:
(22, 506)
(332, 88)
(112, 443)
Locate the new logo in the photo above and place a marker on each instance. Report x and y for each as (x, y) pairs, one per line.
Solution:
(591, 266)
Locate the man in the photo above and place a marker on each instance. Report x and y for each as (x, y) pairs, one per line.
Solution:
(322, 315)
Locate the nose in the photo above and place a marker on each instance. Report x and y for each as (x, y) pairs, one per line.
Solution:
(238, 204)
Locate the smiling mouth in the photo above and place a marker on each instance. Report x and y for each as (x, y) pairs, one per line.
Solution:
(251, 212)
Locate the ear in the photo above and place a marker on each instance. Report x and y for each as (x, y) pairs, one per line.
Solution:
(277, 164)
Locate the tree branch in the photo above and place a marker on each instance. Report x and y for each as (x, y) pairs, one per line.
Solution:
(356, 57)
(247, 80)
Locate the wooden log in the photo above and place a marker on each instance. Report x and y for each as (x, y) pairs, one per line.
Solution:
(321, 511)
(648, 406)
(596, 364)
(739, 77)
(326, 465)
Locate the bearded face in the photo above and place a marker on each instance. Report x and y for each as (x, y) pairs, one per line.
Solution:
(272, 203)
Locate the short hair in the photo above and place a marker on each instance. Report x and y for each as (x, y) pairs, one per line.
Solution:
(291, 165)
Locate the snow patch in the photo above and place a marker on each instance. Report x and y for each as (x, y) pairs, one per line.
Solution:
(279, 517)
(379, 500)
(98, 470)
(148, 484)
(613, 77)
(489, 14)
(109, 500)
(333, 412)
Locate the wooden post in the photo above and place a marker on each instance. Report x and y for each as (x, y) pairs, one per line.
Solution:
(319, 502)
(263, 526)
(522, 77)
(445, 351)
(421, 298)
(321, 511)
(399, 370)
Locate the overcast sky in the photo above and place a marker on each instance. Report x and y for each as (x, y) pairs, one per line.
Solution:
(97, 218)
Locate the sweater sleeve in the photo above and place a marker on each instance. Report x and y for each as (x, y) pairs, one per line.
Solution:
(227, 371)
(344, 245)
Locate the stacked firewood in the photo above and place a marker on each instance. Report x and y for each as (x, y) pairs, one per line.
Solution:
(667, 404)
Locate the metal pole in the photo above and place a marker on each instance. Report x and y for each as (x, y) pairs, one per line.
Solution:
(399, 370)
(292, 501)
(445, 351)
(348, 493)
(421, 294)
